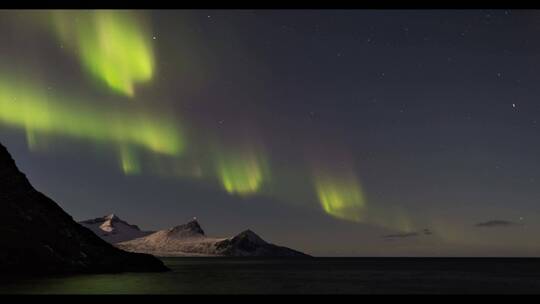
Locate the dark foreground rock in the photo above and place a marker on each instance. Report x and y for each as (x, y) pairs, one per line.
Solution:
(38, 237)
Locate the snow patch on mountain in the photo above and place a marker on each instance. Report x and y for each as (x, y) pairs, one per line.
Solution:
(189, 240)
(113, 229)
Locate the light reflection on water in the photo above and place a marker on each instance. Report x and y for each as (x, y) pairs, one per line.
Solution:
(318, 275)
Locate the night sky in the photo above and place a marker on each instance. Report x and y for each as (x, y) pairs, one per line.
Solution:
(336, 132)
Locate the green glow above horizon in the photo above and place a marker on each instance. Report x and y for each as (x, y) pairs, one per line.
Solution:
(129, 162)
(114, 46)
(341, 197)
(241, 173)
(33, 109)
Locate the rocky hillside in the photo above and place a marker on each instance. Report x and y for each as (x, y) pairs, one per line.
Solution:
(190, 240)
(39, 237)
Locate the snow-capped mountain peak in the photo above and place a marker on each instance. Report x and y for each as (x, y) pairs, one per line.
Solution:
(113, 229)
(190, 229)
(111, 217)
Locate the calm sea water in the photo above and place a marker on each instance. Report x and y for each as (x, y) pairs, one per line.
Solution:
(317, 275)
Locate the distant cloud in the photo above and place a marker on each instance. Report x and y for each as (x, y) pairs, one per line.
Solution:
(496, 223)
(425, 231)
(400, 235)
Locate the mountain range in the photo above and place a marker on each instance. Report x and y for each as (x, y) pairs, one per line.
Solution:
(184, 240)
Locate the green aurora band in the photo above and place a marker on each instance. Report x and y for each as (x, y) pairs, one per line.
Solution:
(129, 162)
(116, 48)
(340, 196)
(113, 46)
(33, 109)
(242, 172)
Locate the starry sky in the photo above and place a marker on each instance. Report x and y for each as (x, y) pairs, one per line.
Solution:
(334, 132)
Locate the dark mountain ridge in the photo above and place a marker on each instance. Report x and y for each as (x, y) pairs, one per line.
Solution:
(38, 237)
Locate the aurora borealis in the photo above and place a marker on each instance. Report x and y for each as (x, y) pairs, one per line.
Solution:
(34, 110)
(240, 173)
(341, 198)
(112, 45)
(323, 129)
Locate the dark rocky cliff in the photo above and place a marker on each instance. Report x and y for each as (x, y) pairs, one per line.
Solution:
(38, 237)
